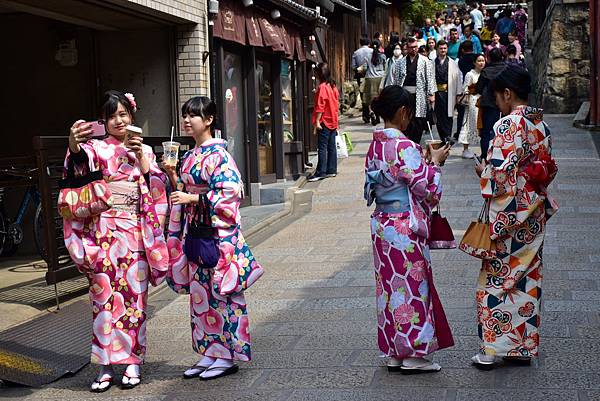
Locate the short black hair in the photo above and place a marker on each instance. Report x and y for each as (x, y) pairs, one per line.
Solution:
(390, 100)
(201, 106)
(514, 78)
(110, 103)
(364, 41)
(496, 55)
(453, 30)
(441, 42)
(466, 46)
(511, 49)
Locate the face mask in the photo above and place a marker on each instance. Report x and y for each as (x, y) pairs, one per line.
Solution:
(397, 52)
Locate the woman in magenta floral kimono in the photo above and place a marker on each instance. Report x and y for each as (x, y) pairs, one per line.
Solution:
(124, 248)
(405, 186)
(218, 311)
(514, 183)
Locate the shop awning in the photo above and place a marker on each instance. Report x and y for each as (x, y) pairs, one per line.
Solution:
(249, 26)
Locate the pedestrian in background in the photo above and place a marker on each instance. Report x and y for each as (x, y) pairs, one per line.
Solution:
(209, 190)
(505, 25)
(394, 39)
(468, 35)
(514, 183)
(390, 66)
(416, 74)
(431, 46)
(123, 249)
(325, 123)
(360, 59)
(487, 103)
(405, 186)
(448, 79)
(468, 131)
(375, 73)
(465, 64)
(520, 18)
(494, 45)
(453, 44)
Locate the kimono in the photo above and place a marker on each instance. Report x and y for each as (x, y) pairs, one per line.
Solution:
(426, 85)
(410, 319)
(218, 311)
(469, 131)
(120, 252)
(515, 184)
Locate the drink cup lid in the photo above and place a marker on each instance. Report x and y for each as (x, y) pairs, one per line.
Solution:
(169, 143)
(133, 128)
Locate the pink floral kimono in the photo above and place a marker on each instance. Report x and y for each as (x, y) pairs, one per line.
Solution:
(411, 320)
(120, 251)
(217, 304)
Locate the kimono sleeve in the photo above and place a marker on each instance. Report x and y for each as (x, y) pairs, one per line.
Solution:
(430, 73)
(499, 178)
(423, 180)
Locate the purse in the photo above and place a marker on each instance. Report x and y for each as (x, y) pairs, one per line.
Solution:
(83, 196)
(476, 241)
(440, 233)
(201, 247)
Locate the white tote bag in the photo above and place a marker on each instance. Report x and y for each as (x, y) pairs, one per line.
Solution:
(342, 149)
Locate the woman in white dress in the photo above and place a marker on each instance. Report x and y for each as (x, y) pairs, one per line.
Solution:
(468, 132)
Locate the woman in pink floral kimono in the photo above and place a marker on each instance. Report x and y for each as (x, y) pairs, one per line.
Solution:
(405, 187)
(217, 304)
(124, 248)
(514, 182)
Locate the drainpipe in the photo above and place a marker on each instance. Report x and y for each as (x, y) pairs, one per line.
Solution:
(363, 15)
(595, 62)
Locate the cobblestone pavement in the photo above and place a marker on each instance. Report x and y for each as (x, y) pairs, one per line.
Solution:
(312, 314)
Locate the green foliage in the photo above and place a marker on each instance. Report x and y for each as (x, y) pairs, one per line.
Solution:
(418, 10)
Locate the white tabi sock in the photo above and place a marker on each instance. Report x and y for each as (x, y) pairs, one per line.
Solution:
(217, 368)
(102, 381)
(202, 364)
(133, 371)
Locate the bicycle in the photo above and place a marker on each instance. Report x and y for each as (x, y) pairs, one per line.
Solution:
(11, 229)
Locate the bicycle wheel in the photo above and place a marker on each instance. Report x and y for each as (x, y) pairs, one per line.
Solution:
(4, 236)
(38, 233)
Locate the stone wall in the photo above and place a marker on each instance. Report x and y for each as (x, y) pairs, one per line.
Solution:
(560, 60)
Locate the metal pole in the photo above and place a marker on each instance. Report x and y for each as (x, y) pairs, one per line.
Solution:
(595, 62)
(363, 15)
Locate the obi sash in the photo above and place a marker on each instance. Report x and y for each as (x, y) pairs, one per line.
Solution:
(389, 196)
(126, 196)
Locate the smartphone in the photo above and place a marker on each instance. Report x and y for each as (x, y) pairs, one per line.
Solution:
(98, 129)
(451, 141)
(477, 159)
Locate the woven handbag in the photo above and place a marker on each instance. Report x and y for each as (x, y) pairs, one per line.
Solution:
(476, 241)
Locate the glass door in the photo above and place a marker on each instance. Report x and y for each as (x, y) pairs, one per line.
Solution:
(266, 165)
(233, 93)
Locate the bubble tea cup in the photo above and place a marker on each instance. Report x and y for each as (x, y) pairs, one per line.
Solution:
(170, 150)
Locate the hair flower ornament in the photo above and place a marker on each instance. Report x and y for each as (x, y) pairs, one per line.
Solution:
(131, 99)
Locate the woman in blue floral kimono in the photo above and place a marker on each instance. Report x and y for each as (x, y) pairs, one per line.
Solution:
(217, 305)
(515, 183)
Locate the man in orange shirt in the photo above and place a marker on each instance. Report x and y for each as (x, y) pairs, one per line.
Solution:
(325, 123)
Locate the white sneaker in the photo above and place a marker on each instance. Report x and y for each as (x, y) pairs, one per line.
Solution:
(467, 154)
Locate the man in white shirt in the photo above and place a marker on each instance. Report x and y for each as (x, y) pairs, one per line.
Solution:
(477, 17)
(445, 28)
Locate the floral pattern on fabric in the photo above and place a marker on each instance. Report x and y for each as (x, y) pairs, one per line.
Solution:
(217, 304)
(409, 314)
(121, 253)
(509, 286)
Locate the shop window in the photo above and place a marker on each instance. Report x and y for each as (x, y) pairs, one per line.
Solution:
(288, 93)
(265, 126)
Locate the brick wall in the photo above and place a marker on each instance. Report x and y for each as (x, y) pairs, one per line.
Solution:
(191, 42)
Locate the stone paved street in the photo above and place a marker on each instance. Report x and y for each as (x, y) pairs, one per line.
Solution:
(313, 320)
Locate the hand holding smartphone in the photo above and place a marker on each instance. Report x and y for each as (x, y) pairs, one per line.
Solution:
(98, 129)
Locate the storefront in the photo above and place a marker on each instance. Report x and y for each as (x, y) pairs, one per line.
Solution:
(264, 82)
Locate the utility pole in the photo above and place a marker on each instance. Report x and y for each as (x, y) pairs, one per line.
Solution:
(595, 62)
(363, 15)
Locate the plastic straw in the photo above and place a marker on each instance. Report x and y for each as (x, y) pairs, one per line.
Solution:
(172, 131)
(430, 133)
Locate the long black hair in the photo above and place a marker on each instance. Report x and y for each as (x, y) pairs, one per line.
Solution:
(324, 75)
(375, 59)
(390, 100)
(110, 103)
(201, 106)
